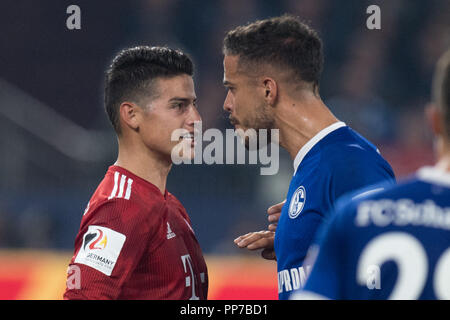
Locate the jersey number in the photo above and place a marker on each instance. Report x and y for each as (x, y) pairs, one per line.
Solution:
(412, 263)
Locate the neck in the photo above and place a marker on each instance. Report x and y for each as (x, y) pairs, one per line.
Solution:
(443, 162)
(300, 120)
(144, 163)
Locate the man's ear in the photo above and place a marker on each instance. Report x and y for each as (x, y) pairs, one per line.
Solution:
(270, 90)
(128, 113)
(434, 118)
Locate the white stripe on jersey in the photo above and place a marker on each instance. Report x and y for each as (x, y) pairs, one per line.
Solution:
(122, 183)
(367, 193)
(121, 187)
(128, 192)
(114, 190)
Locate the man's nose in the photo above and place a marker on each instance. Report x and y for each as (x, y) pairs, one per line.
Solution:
(228, 103)
(194, 116)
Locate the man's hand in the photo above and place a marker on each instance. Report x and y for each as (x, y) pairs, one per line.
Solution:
(274, 213)
(258, 240)
(263, 239)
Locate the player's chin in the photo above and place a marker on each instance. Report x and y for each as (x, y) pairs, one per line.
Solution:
(183, 151)
(190, 154)
(256, 143)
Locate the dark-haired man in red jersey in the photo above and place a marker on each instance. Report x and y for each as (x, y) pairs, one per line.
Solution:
(135, 239)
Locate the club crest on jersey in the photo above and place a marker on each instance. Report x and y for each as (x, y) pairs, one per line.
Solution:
(297, 202)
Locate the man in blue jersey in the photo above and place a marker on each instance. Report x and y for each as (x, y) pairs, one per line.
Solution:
(394, 244)
(271, 70)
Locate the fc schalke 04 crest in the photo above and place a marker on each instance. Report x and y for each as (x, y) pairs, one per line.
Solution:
(297, 202)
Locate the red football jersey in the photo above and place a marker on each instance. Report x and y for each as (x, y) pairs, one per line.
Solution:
(135, 243)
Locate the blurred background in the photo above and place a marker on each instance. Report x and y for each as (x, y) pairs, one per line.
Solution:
(56, 142)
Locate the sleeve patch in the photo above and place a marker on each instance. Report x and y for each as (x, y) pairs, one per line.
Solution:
(100, 249)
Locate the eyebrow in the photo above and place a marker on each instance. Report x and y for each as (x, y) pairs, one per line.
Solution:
(227, 83)
(180, 99)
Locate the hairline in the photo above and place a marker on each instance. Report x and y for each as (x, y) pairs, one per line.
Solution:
(279, 71)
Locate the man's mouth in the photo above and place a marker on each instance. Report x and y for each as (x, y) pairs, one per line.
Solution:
(233, 121)
(189, 138)
(188, 135)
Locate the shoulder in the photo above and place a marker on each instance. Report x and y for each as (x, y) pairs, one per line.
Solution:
(350, 149)
(345, 139)
(406, 187)
(350, 157)
(173, 201)
(347, 207)
(121, 191)
(120, 213)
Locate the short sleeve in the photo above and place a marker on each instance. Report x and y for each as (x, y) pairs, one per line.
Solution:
(111, 241)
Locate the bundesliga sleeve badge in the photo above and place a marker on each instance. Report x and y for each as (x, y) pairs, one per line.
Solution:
(297, 202)
(100, 249)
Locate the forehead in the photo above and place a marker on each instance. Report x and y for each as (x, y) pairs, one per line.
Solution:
(236, 72)
(230, 63)
(178, 86)
(230, 67)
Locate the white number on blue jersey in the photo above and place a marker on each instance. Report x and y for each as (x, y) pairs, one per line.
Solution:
(412, 262)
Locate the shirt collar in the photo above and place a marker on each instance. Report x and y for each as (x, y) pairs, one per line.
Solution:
(313, 141)
(434, 175)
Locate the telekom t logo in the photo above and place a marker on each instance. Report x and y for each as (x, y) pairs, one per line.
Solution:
(190, 279)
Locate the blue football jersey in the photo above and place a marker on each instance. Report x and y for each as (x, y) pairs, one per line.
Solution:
(334, 162)
(392, 244)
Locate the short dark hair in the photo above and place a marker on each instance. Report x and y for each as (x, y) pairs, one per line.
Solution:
(283, 42)
(132, 72)
(441, 88)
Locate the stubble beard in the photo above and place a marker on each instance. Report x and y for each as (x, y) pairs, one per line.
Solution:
(262, 120)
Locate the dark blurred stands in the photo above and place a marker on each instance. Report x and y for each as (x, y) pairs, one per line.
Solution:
(377, 81)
